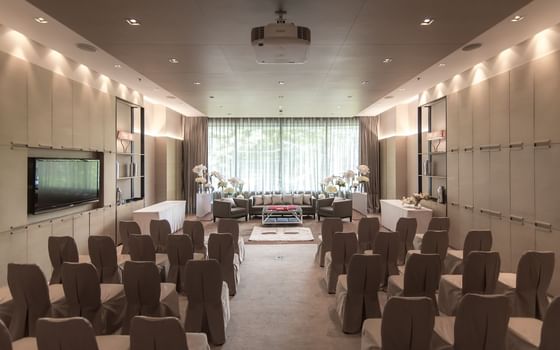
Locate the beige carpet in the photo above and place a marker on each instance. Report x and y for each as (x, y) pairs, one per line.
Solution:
(280, 234)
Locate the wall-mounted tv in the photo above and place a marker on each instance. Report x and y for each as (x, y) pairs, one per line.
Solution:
(55, 183)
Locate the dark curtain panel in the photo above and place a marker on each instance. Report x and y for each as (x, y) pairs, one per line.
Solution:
(369, 155)
(195, 151)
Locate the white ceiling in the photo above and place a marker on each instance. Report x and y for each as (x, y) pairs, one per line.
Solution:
(211, 39)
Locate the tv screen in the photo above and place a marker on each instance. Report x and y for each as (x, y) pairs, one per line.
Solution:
(55, 183)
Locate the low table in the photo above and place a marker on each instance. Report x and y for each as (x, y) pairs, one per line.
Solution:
(282, 214)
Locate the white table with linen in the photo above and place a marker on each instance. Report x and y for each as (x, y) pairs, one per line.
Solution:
(360, 202)
(172, 211)
(392, 210)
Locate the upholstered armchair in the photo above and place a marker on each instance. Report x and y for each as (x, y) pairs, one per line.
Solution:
(230, 208)
(329, 207)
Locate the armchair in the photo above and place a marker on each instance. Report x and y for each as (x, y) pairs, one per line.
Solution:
(230, 208)
(329, 207)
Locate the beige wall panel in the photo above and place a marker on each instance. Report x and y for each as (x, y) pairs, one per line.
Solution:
(13, 104)
(96, 224)
(39, 106)
(411, 164)
(521, 104)
(63, 227)
(453, 177)
(499, 181)
(465, 224)
(522, 188)
(480, 97)
(81, 99)
(465, 119)
(501, 241)
(13, 249)
(522, 239)
(96, 120)
(550, 241)
(37, 246)
(481, 188)
(13, 172)
(109, 125)
(81, 232)
(452, 121)
(455, 237)
(62, 127)
(149, 170)
(124, 212)
(466, 178)
(547, 185)
(547, 101)
(109, 178)
(109, 222)
(499, 110)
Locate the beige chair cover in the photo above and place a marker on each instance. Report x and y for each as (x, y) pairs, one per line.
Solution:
(144, 293)
(142, 248)
(61, 249)
(550, 336)
(387, 245)
(357, 300)
(232, 226)
(102, 305)
(344, 246)
(5, 340)
(534, 274)
(220, 248)
(163, 333)
(179, 251)
(328, 228)
(160, 230)
(127, 228)
(195, 230)
(436, 242)
(6, 305)
(104, 257)
(406, 230)
(480, 240)
(526, 333)
(65, 334)
(205, 311)
(439, 224)
(368, 228)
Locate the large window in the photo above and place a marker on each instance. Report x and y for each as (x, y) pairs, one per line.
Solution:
(288, 154)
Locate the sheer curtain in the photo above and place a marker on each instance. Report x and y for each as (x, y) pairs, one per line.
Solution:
(282, 154)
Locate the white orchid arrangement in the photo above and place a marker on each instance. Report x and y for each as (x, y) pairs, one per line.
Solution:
(362, 179)
(229, 190)
(331, 189)
(217, 175)
(415, 199)
(340, 182)
(349, 174)
(327, 180)
(200, 180)
(199, 169)
(363, 169)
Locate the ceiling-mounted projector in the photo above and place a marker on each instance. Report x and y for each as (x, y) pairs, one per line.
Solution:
(281, 42)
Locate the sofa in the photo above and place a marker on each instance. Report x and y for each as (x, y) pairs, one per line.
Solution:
(331, 207)
(305, 201)
(230, 208)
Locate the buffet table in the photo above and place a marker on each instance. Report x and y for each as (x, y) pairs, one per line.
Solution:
(172, 211)
(393, 209)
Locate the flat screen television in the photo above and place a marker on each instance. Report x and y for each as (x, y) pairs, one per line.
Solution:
(55, 183)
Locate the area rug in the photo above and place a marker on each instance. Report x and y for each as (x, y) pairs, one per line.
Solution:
(281, 234)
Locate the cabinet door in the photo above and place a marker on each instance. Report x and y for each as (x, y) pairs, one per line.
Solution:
(501, 241)
(124, 212)
(109, 178)
(96, 225)
(522, 176)
(453, 177)
(62, 112)
(547, 187)
(549, 240)
(480, 97)
(39, 106)
(481, 188)
(63, 227)
(13, 187)
(465, 119)
(81, 98)
(455, 236)
(13, 104)
(522, 239)
(452, 121)
(465, 223)
(466, 178)
(547, 103)
(37, 247)
(81, 232)
(13, 249)
(96, 121)
(499, 110)
(109, 222)
(109, 125)
(499, 182)
(521, 104)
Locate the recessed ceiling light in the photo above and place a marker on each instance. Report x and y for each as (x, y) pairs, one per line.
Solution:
(365, 82)
(279, 107)
(337, 107)
(196, 83)
(388, 60)
(118, 66)
(349, 96)
(280, 96)
(86, 47)
(471, 47)
(517, 18)
(211, 96)
(427, 21)
(221, 106)
(402, 89)
(171, 97)
(281, 82)
(389, 97)
(173, 60)
(441, 65)
(133, 21)
(41, 20)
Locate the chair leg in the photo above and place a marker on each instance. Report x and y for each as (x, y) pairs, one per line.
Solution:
(214, 218)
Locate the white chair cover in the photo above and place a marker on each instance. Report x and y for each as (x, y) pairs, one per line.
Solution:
(220, 248)
(232, 226)
(344, 245)
(368, 228)
(328, 228)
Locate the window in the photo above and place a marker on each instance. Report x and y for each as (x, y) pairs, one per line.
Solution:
(289, 154)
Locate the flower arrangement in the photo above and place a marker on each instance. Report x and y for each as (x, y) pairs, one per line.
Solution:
(321, 196)
(340, 182)
(331, 189)
(199, 169)
(200, 180)
(349, 174)
(363, 179)
(327, 180)
(415, 199)
(229, 191)
(363, 169)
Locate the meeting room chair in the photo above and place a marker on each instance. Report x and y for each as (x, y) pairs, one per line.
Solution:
(142, 249)
(220, 248)
(160, 231)
(337, 261)
(179, 252)
(480, 240)
(126, 229)
(195, 230)
(368, 228)
(164, 333)
(232, 226)
(435, 224)
(328, 228)
(103, 256)
(406, 230)
(387, 246)
(433, 242)
(61, 249)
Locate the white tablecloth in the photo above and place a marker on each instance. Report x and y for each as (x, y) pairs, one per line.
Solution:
(172, 211)
(359, 202)
(392, 210)
(203, 205)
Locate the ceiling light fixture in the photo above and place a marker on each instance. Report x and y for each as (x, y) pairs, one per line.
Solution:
(133, 21)
(171, 97)
(349, 96)
(211, 96)
(427, 21)
(196, 83)
(388, 60)
(41, 20)
(471, 47)
(86, 47)
(173, 60)
(280, 96)
(402, 89)
(118, 66)
(441, 65)
(281, 82)
(365, 82)
(517, 18)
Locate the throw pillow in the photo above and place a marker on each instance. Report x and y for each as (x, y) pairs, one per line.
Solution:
(267, 199)
(307, 199)
(231, 201)
(276, 199)
(298, 199)
(257, 200)
(287, 199)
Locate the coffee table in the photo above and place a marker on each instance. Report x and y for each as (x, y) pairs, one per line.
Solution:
(282, 215)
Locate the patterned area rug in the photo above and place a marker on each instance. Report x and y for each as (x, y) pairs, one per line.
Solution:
(281, 234)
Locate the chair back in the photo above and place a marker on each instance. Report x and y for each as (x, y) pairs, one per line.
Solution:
(61, 249)
(179, 252)
(230, 226)
(160, 230)
(142, 248)
(481, 322)
(364, 279)
(220, 248)
(435, 242)
(406, 230)
(407, 323)
(5, 339)
(103, 256)
(328, 228)
(30, 294)
(481, 272)
(387, 245)
(344, 246)
(65, 334)
(550, 337)
(480, 240)
(368, 228)
(204, 311)
(534, 274)
(157, 333)
(126, 229)
(141, 281)
(195, 230)
(421, 276)
(439, 224)
(81, 289)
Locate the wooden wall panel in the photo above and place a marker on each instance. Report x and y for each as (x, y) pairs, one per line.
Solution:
(62, 125)
(37, 242)
(81, 97)
(13, 104)
(63, 226)
(13, 249)
(521, 104)
(39, 106)
(547, 101)
(81, 232)
(13, 187)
